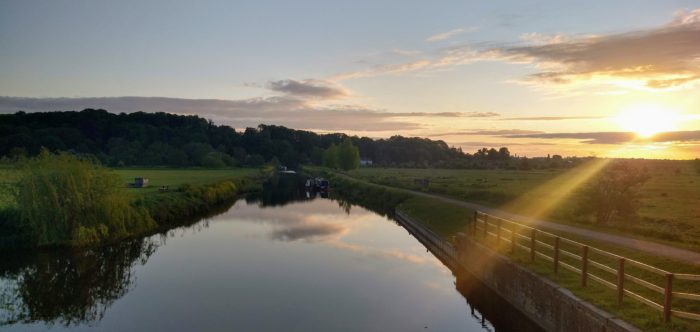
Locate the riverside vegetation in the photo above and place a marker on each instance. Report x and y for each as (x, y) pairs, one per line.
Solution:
(667, 202)
(447, 220)
(64, 200)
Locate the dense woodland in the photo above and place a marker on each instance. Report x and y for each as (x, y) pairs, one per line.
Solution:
(162, 139)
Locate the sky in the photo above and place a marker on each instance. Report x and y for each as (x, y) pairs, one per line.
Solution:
(603, 78)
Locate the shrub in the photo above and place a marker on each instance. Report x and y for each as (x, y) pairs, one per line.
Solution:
(615, 192)
(66, 200)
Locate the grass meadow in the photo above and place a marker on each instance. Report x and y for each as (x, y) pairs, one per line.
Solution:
(447, 220)
(172, 178)
(669, 201)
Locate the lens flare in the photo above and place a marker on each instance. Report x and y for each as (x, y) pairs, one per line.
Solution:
(647, 120)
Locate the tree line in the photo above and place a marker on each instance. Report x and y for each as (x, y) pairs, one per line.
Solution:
(163, 139)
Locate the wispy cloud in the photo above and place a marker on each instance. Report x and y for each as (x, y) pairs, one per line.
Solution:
(387, 69)
(664, 57)
(309, 88)
(539, 38)
(449, 34)
(448, 114)
(554, 118)
(490, 144)
(618, 137)
(495, 132)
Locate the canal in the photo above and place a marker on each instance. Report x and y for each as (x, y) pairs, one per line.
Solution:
(281, 261)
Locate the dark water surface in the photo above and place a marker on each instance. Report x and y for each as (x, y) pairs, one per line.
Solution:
(308, 265)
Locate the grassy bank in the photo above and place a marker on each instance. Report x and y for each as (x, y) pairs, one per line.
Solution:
(669, 209)
(447, 220)
(377, 198)
(190, 193)
(193, 195)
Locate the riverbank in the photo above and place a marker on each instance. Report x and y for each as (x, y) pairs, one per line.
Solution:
(667, 201)
(190, 194)
(447, 220)
(551, 307)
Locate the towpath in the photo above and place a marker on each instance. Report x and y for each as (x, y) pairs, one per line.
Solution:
(658, 249)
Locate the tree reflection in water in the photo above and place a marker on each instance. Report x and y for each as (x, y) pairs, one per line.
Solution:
(75, 287)
(72, 287)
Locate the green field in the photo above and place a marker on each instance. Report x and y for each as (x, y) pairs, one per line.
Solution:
(670, 200)
(447, 220)
(176, 177)
(157, 177)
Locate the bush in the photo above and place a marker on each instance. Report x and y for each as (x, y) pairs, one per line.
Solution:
(65, 200)
(614, 193)
(213, 160)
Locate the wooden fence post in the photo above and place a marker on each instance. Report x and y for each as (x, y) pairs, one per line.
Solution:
(556, 255)
(620, 280)
(584, 266)
(486, 227)
(532, 244)
(668, 297)
(498, 232)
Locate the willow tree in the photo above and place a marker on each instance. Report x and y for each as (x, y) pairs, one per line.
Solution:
(330, 157)
(348, 155)
(66, 200)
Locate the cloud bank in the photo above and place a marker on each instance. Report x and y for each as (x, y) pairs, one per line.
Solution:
(280, 110)
(660, 58)
(664, 57)
(618, 137)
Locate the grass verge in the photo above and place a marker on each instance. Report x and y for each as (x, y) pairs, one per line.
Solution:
(669, 212)
(447, 220)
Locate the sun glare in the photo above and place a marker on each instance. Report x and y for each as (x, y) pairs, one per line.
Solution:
(647, 120)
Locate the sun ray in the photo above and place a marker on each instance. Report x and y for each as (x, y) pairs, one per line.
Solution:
(556, 191)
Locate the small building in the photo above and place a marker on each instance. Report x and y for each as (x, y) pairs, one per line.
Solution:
(366, 162)
(139, 183)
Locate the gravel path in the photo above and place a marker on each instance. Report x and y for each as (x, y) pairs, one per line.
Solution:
(650, 247)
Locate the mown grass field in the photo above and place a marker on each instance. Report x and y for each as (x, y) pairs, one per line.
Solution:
(670, 200)
(447, 220)
(172, 178)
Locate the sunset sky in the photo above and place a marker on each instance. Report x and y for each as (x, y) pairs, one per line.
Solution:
(606, 78)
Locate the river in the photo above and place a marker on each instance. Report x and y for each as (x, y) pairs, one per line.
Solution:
(277, 262)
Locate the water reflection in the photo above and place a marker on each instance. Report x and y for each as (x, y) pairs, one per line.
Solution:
(69, 288)
(341, 271)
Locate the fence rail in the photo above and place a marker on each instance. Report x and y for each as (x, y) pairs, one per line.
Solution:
(513, 234)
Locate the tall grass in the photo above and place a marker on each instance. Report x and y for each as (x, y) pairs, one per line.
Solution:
(66, 200)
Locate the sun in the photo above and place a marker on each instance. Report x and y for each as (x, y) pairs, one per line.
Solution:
(647, 120)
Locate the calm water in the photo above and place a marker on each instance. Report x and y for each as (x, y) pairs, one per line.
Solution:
(303, 266)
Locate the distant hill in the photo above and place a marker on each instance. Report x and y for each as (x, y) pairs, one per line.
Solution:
(162, 139)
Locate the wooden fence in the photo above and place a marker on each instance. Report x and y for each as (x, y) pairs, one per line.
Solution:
(585, 261)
